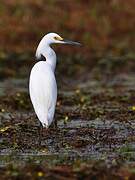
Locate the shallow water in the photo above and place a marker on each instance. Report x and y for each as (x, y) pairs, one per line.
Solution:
(95, 121)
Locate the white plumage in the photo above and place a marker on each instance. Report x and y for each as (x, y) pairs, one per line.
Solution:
(42, 84)
(43, 92)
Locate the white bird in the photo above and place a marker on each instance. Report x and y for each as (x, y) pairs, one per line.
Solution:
(42, 83)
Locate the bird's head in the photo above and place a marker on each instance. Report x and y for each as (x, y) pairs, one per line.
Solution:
(43, 50)
(53, 38)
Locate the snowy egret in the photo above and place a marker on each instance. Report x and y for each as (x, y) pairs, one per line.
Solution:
(42, 84)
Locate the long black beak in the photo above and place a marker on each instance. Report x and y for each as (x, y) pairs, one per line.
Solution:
(65, 41)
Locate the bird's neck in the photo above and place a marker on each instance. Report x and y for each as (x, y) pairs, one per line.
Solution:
(49, 55)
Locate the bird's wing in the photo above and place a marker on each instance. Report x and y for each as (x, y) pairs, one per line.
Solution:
(43, 92)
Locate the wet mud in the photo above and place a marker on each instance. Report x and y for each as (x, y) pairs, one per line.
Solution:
(95, 125)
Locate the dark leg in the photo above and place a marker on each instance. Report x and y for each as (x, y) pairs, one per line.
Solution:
(54, 124)
(40, 132)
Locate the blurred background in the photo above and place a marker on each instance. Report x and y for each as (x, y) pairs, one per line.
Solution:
(105, 28)
(96, 85)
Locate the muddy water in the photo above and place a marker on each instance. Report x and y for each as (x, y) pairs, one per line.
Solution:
(96, 120)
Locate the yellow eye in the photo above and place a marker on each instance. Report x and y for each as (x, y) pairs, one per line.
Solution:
(57, 38)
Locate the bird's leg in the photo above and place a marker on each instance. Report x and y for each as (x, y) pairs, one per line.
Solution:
(55, 124)
(40, 130)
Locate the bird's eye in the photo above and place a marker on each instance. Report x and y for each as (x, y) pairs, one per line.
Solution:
(57, 38)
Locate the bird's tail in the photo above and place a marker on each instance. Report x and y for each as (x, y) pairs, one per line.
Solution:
(51, 115)
(43, 117)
